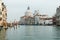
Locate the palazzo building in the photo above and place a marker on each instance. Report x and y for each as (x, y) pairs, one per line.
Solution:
(57, 16)
(3, 14)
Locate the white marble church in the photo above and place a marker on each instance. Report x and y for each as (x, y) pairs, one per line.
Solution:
(33, 18)
(28, 17)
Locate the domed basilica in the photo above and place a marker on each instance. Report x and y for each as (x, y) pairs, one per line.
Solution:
(30, 18)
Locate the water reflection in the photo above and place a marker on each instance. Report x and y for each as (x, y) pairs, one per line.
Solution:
(57, 33)
(23, 32)
(33, 33)
(15, 27)
(3, 34)
(28, 30)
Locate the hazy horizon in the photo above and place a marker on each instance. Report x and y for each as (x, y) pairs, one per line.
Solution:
(17, 8)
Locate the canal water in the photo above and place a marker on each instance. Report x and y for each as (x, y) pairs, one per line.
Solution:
(31, 32)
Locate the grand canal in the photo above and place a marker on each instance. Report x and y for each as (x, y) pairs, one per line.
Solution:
(31, 32)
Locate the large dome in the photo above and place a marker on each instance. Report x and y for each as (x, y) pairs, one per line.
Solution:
(28, 12)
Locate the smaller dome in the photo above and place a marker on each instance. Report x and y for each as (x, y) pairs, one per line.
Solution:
(36, 12)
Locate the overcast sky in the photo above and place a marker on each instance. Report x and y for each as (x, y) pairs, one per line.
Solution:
(17, 8)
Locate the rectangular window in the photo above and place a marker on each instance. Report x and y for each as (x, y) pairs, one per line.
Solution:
(2, 9)
(0, 13)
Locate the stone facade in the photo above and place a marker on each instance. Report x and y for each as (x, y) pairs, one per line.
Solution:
(29, 20)
(3, 13)
(57, 15)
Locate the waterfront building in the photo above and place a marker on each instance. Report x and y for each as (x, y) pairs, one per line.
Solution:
(37, 17)
(41, 19)
(57, 15)
(34, 18)
(54, 20)
(49, 21)
(3, 14)
(27, 18)
(22, 19)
